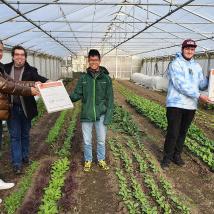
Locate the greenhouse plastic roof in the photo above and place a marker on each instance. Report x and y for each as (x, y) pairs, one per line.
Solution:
(146, 28)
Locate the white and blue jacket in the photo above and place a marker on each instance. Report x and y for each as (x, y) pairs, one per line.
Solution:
(185, 80)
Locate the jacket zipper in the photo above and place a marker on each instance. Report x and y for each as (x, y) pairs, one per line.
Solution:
(94, 94)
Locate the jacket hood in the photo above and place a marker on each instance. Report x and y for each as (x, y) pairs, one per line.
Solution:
(180, 57)
(102, 70)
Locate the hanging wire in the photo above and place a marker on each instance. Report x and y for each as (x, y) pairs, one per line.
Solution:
(92, 28)
(134, 17)
(18, 4)
(147, 13)
(170, 6)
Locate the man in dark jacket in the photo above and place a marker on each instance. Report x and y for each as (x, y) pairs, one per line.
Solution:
(24, 108)
(94, 88)
(9, 86)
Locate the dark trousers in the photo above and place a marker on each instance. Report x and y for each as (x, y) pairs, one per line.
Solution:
(19, 129)
(179, 121)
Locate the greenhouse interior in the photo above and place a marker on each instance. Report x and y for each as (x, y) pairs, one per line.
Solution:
(106, 106)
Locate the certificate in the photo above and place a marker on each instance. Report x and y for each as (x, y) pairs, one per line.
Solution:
(55, 96)
(211, 86)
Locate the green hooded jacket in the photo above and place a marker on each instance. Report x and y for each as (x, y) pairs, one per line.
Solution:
(96, 92)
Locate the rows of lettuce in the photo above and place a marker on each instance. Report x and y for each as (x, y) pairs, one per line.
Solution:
(142, 185)
(51, 193)
(196, 142)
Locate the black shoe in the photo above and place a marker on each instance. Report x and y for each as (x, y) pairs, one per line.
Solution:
(178, 160)
(17, 170)
(26, 161)
(165, 163)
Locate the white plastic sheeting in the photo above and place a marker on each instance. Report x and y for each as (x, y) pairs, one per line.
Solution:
(157, 83)
(79, 27)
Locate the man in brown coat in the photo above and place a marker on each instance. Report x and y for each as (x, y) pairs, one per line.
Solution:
(10, 87)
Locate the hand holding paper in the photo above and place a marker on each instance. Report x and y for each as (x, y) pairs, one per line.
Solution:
(55, 96)
(34, 91)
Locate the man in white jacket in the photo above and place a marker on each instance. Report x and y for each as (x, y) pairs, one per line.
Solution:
(186, 80)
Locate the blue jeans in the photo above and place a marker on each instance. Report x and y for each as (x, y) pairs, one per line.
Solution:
(101, 130)
(19, 129)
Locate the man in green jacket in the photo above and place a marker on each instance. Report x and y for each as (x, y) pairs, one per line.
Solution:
(95, 90)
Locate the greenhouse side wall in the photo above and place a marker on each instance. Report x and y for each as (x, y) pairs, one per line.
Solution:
(122, 66)
(158, 66)
(48, 66)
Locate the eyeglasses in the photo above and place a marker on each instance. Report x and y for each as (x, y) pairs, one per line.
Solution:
(94, 60)
(23, 55)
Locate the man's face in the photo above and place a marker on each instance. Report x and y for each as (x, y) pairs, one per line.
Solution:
(94, 62)
(19, 58)
(189, 52)
(1, 51)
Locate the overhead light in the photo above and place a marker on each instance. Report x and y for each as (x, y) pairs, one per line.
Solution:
(118, 14)
(121, 14)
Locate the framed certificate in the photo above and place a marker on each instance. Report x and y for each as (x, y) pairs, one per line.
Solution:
(55, 96)
(211, 86)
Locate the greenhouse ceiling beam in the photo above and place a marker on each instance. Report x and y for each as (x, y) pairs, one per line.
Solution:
(92, 25)
(158, 49)
(163, 31)
(176, 23)
(30, 29)
(107, 3)
(147, 27)
(69, 25)
(126, 45)
(123, 32)
(131, 42)
(25, 13)
(172, 55)
(130, 47)
(99, 37)
(196, 14)
(37, 26)
(172, 34)
(111, 23)
(137, 40)
(109, 28)
(107, 22)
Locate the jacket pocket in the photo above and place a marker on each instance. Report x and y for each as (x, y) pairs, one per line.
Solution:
(102, 107)
(85, 91)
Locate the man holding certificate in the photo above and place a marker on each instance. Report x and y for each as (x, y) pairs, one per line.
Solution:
(7, 87)
(94, 88)
(186, 79)
(24, 109)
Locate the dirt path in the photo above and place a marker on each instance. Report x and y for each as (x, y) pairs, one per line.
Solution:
(193, 180)
(34, 195)
(38, 148)
(204, 119)
(96, 191)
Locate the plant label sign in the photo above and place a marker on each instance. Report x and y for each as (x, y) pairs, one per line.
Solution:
(211, 86)
(55, 96)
